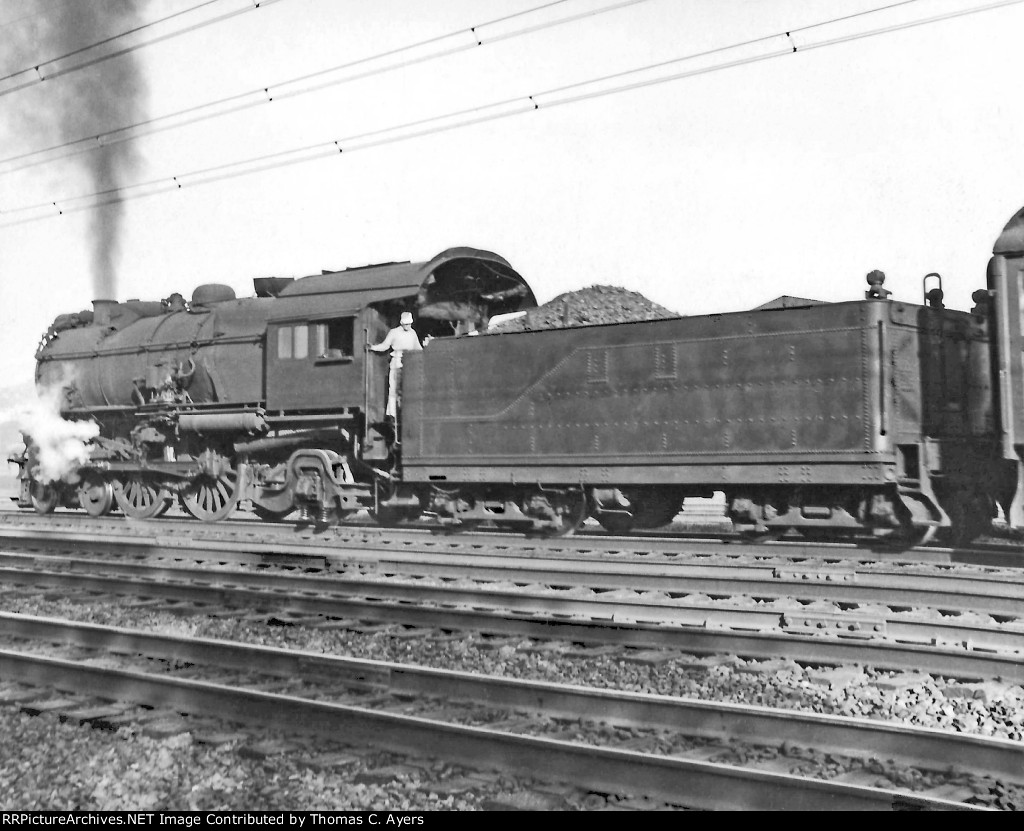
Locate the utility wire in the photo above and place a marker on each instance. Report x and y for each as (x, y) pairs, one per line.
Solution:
(280, 91)
(519, 105)
(107, 40)
(36, 75)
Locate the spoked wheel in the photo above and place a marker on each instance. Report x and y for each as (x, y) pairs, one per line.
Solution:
(44, 497)
(96, 496)
(211, 500)
(138, 498)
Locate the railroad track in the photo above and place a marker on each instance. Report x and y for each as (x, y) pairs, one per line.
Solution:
(990, 591)
(14, 525)
(774, 575)
(690, 753)
(805, 620)
(413, 583)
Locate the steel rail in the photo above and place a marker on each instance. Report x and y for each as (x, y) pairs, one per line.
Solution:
(805, 581)
(915, 746)
(831, 646)
(1000, 595)
(669, 779)
(337, 543)
(575, 602)
(14, 524)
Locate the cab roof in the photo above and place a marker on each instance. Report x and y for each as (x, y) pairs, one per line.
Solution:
(455, 271)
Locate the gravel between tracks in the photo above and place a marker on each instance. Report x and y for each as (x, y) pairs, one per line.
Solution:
(46, 765)
(991, 708)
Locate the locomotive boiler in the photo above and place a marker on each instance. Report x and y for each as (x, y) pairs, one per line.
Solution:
(871, 416)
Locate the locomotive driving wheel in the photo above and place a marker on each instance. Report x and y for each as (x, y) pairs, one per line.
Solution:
(211, 499)
(96, 496)
(138, 498)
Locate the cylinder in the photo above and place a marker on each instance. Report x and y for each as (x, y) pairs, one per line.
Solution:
(286, 442)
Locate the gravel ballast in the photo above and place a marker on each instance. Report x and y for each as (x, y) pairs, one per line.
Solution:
(107, 770)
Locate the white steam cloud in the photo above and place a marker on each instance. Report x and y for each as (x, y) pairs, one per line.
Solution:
(60, 445)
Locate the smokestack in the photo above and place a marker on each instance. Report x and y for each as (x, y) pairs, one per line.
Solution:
(87, 102)
(103, 311)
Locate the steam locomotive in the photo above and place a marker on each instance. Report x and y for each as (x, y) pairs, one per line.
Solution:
(871, 416)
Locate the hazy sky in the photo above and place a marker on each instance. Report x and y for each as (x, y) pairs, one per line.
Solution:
(796, 174)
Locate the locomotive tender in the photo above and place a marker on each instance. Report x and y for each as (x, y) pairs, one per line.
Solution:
(870, 416)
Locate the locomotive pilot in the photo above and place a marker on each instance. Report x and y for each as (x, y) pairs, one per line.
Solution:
(400, 339)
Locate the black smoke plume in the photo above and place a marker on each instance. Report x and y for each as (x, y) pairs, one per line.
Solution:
(84, 103)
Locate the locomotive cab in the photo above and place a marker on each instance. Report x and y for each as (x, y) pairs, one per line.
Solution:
(311, 361)
(321, 374)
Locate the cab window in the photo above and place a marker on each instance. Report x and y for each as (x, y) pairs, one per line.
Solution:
(335, 339)
(293, 342)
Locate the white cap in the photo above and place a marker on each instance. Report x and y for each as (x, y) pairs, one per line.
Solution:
(406, 317)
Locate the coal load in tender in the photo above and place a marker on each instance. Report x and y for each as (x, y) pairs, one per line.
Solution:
(587, 307)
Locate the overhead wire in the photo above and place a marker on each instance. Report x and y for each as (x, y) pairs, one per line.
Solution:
(790, 48)
(277, 92)
(517, 105)
(106, 40)
(35, 75)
